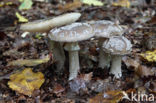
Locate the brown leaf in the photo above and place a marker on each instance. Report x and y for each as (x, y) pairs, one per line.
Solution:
(58, 89)
(131, 62)
(86, 77)
(144, 71)
(70, 6)
(107, 97)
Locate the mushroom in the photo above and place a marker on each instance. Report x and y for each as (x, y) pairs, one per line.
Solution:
(46, 25)
(71, 35)
(103, 30)
(117, 46)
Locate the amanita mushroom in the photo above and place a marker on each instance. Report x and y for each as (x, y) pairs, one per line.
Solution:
(117, 46)
(103, 30)
(71, 35)
(46, 25)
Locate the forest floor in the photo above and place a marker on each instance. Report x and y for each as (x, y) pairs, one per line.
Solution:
(93, 85)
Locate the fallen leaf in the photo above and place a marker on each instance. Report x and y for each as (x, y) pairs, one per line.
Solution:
(26, 81)
(144, 71)
(92, 2)
(28, 62)
(122, 3)
(58, 89)
(150, 56)
(87, 77)
(108, 97)
(70, 6)
(21, 18)
(26, 4)
(131, 62)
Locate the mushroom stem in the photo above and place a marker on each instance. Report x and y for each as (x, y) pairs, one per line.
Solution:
(58, 54)
(73, 64)
(104, 58)
(116, 66)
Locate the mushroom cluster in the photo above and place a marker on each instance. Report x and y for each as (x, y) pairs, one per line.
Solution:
(109, 34)
(103, 30)
(112, 45)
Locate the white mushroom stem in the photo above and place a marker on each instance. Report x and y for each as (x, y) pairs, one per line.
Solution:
(116, 66)
(73, 64)
(104, 58)
(58, 54)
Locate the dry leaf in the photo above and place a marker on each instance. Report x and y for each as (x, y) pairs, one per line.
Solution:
(131, 62)
(26, 81)
(28, 62)
(92, 2)
(70, 6)
(108, 97)
(144, 71)
(122, 3)
(58, 89)
(150, 56)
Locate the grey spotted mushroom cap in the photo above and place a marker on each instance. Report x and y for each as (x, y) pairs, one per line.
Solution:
(71, 33)
(47, 24)
(117, 45)
(106, 28)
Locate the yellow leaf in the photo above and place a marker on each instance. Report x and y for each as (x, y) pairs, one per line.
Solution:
(149, 56)
(26, 81)
(122, 3)
(28, 62)
(21, 18)
(92, 2)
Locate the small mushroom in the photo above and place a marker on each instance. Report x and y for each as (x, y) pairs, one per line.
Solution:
(117, 46)
(71, 35)
(46, 25)
(103, 30)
